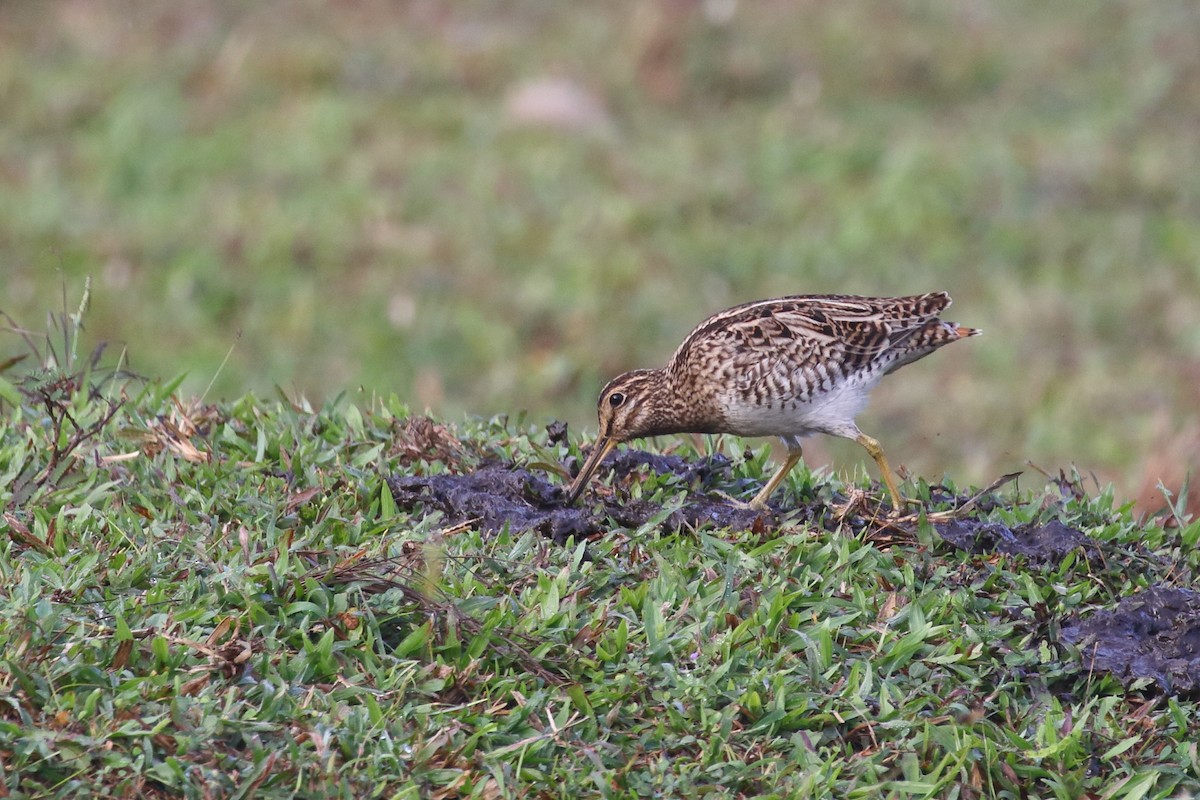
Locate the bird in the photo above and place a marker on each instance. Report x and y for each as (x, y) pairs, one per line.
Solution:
(787, 367)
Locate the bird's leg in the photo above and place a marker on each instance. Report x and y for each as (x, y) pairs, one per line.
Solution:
(873, 447)
(793, 455)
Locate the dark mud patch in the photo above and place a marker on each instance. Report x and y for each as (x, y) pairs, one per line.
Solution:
(495, 496)
(623, 468)
(1049, 543)
(499, 495)
(1154, 634)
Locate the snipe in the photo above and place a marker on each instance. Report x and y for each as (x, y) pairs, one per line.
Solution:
(787, 367)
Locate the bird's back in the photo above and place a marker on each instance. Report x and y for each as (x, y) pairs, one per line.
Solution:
(766, 359)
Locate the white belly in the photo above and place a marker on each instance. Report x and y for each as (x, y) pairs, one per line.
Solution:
(832, 411)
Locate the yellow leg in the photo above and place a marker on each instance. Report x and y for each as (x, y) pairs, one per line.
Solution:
(793, 456)
(873, 447)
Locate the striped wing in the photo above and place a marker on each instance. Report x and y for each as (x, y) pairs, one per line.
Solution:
(792, 347)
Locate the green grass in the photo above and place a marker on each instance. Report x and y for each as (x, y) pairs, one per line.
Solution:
(209, 594)
(223, 601)
(341, 197)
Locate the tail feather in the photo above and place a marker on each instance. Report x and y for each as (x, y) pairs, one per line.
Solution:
(932, 335)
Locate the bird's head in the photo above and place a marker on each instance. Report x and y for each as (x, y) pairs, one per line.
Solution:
(629, 408)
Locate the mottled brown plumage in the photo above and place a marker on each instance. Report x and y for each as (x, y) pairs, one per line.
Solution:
(787, 367)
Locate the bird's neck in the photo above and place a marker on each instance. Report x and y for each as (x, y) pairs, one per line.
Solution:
(676, 406)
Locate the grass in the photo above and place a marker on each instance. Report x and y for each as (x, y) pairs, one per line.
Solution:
(222, 600)
(345, 198)
(206, 593)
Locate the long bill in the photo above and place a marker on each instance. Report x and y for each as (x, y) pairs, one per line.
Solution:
(602, 448)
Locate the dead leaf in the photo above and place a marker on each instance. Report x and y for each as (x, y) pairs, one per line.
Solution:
(301, 498)
(22, 536)
(121, 657)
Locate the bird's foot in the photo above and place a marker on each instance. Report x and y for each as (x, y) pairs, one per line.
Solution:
(745, 505)
(900, 506)
(859, 501)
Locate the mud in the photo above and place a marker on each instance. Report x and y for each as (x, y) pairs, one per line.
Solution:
(1152, 635)
(1039, 544)
(626, 466)
(499, 495)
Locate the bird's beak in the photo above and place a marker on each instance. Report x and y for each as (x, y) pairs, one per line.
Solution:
(602, 448)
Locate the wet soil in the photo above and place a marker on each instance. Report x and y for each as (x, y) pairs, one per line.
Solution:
(498, 495)
(1047, 543)
(1154, 634)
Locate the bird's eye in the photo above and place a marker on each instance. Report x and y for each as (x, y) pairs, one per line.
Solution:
(616, 398)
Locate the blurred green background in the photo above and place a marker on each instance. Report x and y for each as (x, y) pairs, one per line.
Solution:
(491, 207)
